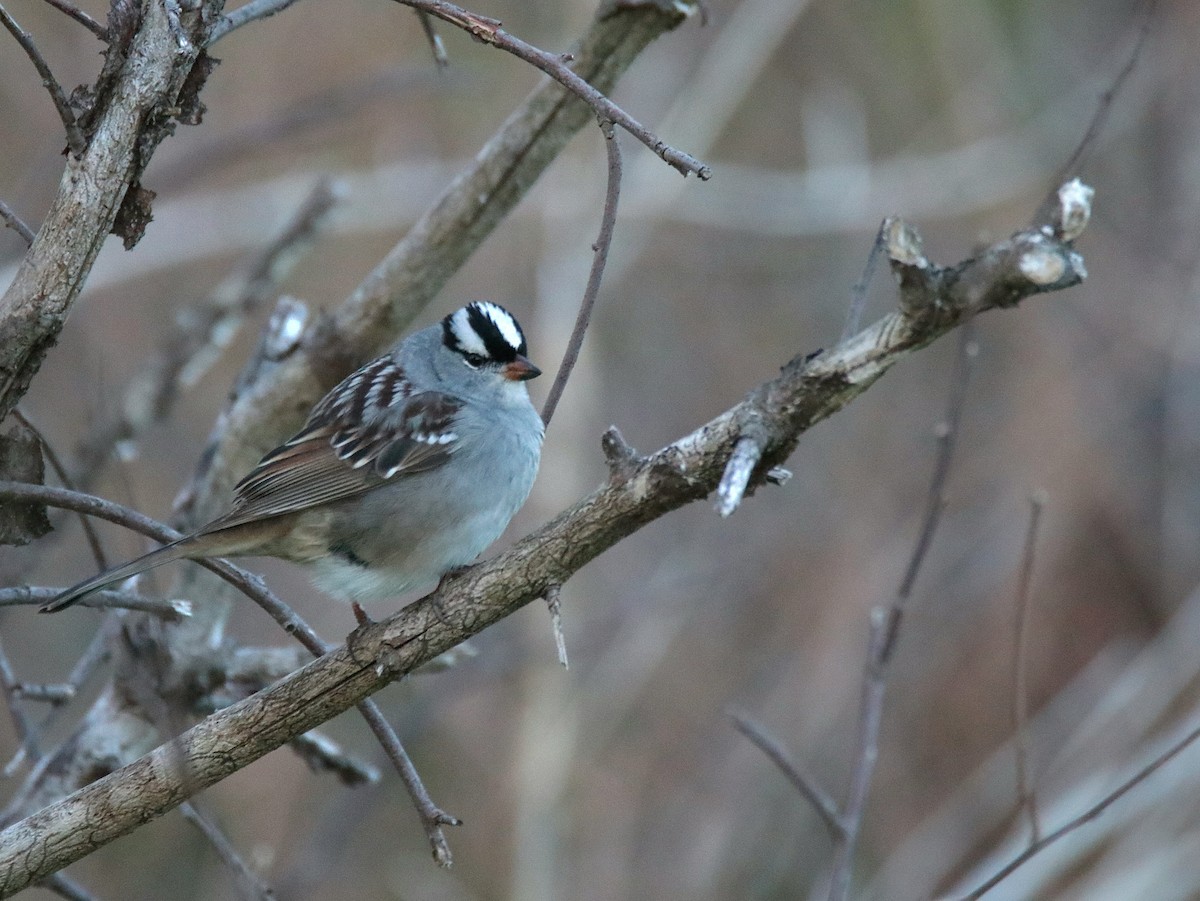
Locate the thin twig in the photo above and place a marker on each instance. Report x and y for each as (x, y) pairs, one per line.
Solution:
(105, 599)
(249, 884)
(935, 501)
(1100, 117)
(47, 693)
(489, 31)
(858, 294)
(13, 221)
(1086, 817)
(66, 887)
(608, 221)
(324, 755)
(1108, 98)
(436, 46)
(97, 652)
(885, 628)
(874, 688)
(10, 685)
(75, 139)
(804, 783)
(433, 818)
(81, 17)
(253, 11)
(1026, 794)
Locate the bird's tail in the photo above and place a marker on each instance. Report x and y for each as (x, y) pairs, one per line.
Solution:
(165, 554)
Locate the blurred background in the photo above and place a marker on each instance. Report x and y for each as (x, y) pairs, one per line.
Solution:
(623, 778)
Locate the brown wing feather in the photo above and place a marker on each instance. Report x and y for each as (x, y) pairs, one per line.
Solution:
(351, 443)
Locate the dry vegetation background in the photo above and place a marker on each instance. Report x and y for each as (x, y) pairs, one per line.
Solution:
(623, 778)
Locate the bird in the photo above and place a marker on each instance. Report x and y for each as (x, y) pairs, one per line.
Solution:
(405, 471)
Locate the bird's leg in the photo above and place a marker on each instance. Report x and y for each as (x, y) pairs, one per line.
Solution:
(448, 576)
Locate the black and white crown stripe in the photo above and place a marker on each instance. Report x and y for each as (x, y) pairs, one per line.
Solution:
(485, 330)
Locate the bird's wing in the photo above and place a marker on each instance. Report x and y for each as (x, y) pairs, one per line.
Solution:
(373, 428)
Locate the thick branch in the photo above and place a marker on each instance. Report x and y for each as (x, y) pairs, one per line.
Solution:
(94, 183)
(807, 391)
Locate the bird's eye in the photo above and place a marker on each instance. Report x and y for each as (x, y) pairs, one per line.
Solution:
(474, 360)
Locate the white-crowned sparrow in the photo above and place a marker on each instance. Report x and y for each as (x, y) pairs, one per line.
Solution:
(406, 470)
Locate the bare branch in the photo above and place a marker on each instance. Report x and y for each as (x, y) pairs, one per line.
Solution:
(66, 887)
(490, 32)
(807, 390)
(324, 755)
(935, 500)
(1107, 100)
(130, 123)
(874, 688)
(249, 884)
(608, 222)
(75, 139)
(106, 599)
(13, 221)
(253, 11)
(436, 46)
(55, 694)
(10, 685)
(96, 653)
(1087, 816)
(245, 582)
(858, 294)
(904, 249)
(804, 783)
(433, 818)
(1026, 794)
(81, 17)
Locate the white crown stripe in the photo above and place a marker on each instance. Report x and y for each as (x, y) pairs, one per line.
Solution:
(468, 338)
(507, 326)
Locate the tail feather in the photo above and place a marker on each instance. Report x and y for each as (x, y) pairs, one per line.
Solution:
(165, 554)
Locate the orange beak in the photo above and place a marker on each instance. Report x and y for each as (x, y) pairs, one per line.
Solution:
(520, 370)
